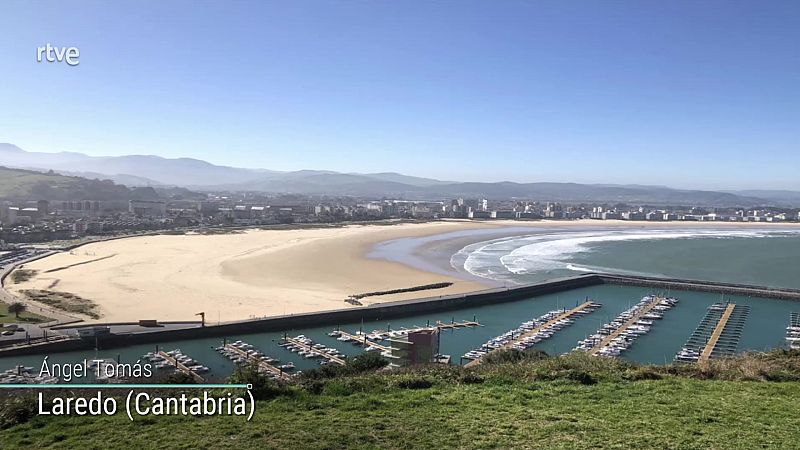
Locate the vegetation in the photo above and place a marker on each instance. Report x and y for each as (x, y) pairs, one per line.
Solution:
(16, 308)
(22, 275)
(7, 316)
(27, 184)
(64, 301)
(534, 402)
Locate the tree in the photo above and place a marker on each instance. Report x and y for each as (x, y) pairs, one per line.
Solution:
(17, 308)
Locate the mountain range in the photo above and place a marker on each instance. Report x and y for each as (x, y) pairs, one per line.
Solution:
(149, 170)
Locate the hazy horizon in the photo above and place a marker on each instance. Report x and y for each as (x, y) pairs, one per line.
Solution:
(687, 95)
(499, 180)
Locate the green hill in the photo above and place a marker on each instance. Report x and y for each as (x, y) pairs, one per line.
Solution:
(571, 402)
(18, 184)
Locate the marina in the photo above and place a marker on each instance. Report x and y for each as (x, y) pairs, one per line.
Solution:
(25, 375)
(243, 353)
(531, 332)
(765, 329)
(180, 362)
(307, 348)
(717, 335)
(617, 336)
(369, 340)
(793, 331)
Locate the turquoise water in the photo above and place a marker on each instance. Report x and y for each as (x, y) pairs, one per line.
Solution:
(764, 257)
(759, 257)
(764, 329)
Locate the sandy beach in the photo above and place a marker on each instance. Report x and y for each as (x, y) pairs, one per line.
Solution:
(258, 273)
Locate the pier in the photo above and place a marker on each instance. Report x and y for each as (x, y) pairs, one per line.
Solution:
(362, 340)
(793, 331)
(386, 334)
(180, 366)
(256, 360)
(625, 325)
(309, 348)
(580, 309)
(717, 335)
(705, 355)
(396, 309)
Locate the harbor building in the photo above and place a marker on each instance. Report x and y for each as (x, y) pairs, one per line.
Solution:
(417, 347)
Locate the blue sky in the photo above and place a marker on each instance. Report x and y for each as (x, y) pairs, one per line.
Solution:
(698, 94)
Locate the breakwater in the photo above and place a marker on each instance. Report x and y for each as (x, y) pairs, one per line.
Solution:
(399, 309)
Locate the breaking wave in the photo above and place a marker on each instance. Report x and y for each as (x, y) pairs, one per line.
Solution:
(510, 258)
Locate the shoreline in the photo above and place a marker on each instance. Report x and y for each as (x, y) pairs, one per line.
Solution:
(263, 273)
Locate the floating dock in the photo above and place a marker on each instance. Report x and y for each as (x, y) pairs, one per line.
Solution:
(625, 325)
(254, 359)
(717, 335)
(309, 348)
(615, 337)
(368, 340)
(520, 339)
(389, 334)
(360, 339)
(180, 366)
(793, 331)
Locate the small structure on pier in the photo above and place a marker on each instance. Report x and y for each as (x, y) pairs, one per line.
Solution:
(417, 347)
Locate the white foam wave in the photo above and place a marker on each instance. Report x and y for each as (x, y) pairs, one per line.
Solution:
(504, 258)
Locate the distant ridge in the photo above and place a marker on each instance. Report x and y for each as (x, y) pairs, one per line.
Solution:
(149, 170)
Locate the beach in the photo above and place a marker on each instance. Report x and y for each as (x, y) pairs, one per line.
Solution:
(260, 273)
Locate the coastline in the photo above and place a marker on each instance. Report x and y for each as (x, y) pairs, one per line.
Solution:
(261, 273)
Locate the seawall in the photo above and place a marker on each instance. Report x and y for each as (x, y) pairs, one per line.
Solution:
(402, 308)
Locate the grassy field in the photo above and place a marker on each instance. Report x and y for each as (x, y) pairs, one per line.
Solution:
(553, 404)
(27, 317)
(643, 414)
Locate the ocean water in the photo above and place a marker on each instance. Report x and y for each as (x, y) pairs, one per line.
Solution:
(764, 329)
(761, 257)
(765, 257)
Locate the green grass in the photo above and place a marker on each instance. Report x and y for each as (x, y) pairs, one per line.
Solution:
(26, 317)
(571, 402)
(675, 413)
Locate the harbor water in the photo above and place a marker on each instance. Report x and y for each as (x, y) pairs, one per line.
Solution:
(765, 328)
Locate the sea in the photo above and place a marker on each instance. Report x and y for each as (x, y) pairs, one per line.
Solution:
(513, 256)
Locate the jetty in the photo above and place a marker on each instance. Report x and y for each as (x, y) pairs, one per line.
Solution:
(625, 325)
(173, 361)
(793, 331)
(532, 332)
(617, 336)
(359, 339)
(717, 335)
(254, 358)
(438, 326)
(308, 347)
(705, 355)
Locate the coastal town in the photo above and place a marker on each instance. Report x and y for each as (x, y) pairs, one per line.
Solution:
(41, 220)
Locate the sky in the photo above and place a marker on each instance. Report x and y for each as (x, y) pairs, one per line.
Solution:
(689, 94)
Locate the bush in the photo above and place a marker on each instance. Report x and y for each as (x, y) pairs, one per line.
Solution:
(514, 355)
(409, 381)
(263, 386)
(366, 362)
(16, 410)
(471, 378)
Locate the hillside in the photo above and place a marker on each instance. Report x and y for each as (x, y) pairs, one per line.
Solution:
(18, 184)
(150, 170)
(571, 402)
